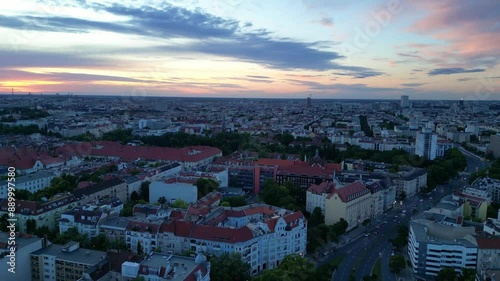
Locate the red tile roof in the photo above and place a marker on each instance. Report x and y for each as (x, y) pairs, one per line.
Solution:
(352, 191)
(227, 235)
(310, 171)
(127, 152)
(278, 162)
(488, 242)
(324, 187)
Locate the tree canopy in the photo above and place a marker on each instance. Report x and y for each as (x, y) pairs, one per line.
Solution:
(229, 267)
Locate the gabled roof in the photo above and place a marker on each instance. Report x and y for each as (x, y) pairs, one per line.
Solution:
(324, 187)
(352, 191)
(131, 153)
(100, 186)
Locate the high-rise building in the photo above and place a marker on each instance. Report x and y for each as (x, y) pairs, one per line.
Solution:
(433, 246)
(426, 144)
(494, 145)
(405, 102)
(309, 102)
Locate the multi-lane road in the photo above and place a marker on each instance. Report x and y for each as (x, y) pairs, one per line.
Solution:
(361, 252)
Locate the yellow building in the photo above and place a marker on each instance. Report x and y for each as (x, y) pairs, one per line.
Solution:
(474, 207)
(352, 202)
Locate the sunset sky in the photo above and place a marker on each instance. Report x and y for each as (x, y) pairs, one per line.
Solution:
(445, 49)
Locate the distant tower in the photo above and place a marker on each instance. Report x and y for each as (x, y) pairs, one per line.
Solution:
(405, 102)
(309, 102)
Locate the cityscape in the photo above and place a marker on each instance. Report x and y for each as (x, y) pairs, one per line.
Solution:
(249, 140)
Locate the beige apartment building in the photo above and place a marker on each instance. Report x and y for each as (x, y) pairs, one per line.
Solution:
(352, 202)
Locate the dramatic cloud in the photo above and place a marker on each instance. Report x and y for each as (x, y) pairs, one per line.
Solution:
(212, 35)
(448, 71)
(470, 28)
(62, 76)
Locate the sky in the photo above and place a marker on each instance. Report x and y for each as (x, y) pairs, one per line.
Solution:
(334, 49)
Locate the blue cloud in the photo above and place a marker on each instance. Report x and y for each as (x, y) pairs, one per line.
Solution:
(212, 35)
(448, 71)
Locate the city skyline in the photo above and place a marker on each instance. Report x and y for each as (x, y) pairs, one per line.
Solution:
(378, 50)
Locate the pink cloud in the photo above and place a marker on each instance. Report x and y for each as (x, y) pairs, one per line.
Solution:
(470, 27)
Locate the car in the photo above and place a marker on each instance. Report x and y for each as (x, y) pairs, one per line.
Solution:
(367, 234)
(421, 200)
(375, 233)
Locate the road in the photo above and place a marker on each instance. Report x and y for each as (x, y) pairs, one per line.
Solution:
(474, 162)
(363, 251)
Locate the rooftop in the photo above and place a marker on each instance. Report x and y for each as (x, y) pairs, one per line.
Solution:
(84, 256)
(430, 231)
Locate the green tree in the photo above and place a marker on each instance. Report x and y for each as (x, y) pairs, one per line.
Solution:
(235, 201)
(397, 263)
(162, 200)
(139, 248)
(127, 210)
(229, 266)
(468, 274)
(276, 195)
(180, 204)
(144, 191)
(316, 218)
(31, 226)
(134, 196)
(297, 267)
(205, 186)
(447, 274)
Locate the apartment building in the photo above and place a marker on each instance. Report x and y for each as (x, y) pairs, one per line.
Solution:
(63, 262)
(43, 214)
(317, 194)
(474, 206)
(88, 218)
(442, 147)
(426, 144)
(494, 145)
(492, 186)
(105, 189)
(142, 235)
(31, 182)
(410, 181)
(263, 234)
(115, 228)
(173, 189)
(433, 246)
(352, 202)
(488, 256)
(25, 245)
(159, 267)
(188, 157)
